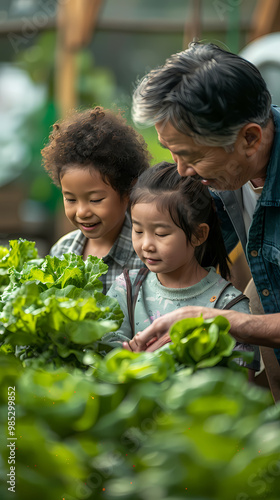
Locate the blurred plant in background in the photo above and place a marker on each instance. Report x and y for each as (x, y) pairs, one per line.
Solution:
(208, 435)
(21, 146)
(36, 66)
(135, 426)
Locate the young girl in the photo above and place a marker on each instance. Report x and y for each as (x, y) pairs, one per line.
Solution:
(95, 157)
(176, 234)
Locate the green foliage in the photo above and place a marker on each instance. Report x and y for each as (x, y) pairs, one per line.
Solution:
(157, 151)
(130, 426)
(14, 257)
(53, 272)
(209, 435)
(95, 85)
(53, 310)
(201, 343)
(121, 366)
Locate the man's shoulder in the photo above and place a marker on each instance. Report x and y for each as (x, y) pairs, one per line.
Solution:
(64, 243)
(275, 108)
(276, 117)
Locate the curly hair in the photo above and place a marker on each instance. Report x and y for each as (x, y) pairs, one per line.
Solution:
(100, 139)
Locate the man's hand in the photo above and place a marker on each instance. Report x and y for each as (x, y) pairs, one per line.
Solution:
(245, 328)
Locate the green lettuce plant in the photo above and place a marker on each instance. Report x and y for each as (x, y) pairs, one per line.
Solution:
(202, 343)
(131, 426)
(123, 366)
(53, 310)
(14, 257)
(210, 435)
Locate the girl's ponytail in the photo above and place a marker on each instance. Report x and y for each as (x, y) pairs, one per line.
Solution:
(215, 253)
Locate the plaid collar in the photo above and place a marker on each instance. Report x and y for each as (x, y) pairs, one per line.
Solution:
(122, 250)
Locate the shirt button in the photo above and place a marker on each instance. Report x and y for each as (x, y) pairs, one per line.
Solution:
(265, 292)
(254, 253)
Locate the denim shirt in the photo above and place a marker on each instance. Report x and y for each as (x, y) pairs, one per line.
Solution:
(262, 245)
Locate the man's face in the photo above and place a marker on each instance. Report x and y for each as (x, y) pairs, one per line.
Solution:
(213, 165)
(92, 205)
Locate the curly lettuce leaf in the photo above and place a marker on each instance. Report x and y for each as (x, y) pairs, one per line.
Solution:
(53, 329)
(60, 273)
(53, 309)
(121, 365)
(201, 343)
(19, 252)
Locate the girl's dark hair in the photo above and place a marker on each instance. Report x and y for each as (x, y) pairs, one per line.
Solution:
(100, 139)
(189, 204)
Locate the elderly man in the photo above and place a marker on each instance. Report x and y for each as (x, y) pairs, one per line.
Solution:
(213, 111)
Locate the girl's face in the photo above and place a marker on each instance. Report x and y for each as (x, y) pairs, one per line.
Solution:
(91, 205)
(162, 245)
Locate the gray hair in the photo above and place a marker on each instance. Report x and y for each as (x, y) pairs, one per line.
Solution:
(204, 92)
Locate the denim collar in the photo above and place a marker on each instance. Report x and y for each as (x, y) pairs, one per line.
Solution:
(271, 191)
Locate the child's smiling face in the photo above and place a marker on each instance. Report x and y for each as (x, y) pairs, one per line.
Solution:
(162, 245)
(92, 205)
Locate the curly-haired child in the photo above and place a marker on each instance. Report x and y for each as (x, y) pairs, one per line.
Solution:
(96, 157)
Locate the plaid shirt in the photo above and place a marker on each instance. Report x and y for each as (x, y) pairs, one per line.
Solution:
(121, 255)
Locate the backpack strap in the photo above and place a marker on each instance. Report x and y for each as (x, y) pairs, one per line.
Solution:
(132, 291)
(233, 301)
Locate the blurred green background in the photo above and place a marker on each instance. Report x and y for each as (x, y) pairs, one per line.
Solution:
(210, 436)
(130, 38)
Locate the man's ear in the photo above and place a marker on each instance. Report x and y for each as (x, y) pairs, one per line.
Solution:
(252, 138)
(201, 235)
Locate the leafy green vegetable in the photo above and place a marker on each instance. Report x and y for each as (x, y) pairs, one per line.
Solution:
(130, 426)
(3, 252)
(53, 309)
(201, 343)
(60, 273)
(207, 436)
(19, 252)
(121, 365)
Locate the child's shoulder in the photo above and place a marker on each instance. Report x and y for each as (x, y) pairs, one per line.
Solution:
(68, 236)
(223, 293)
(131, 274)
(71, 242)
(232, 298)
(119, 287)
